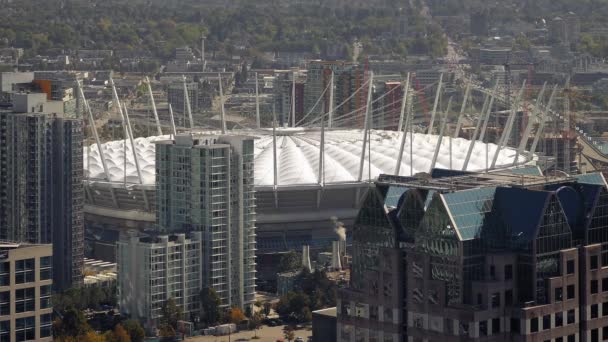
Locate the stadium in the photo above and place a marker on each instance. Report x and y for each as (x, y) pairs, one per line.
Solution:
(298, 201)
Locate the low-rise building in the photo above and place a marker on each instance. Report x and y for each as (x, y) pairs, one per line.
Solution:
(25, 292)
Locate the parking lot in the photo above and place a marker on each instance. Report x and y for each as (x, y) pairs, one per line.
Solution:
(265, 334)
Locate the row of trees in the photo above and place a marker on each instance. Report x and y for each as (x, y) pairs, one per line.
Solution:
(159, 27)
(72, 325)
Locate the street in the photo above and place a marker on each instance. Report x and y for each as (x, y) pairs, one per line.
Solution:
(265, 334)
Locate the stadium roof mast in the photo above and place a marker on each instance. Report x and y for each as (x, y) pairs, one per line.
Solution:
(484, 116)
(172, 120)
(158, 128)
(222, 112)
(367, 125)
(330, 118)
(403, 104)
(462, 108)
(293, 99)
(132, 145)
(257, 102)
(434, 112)
(94, 129)
(504, 138)
(531, 121)
(441, 131)
(187, 104)
(543, 121)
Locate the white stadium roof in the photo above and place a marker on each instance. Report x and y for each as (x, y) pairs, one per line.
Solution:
(298, 156)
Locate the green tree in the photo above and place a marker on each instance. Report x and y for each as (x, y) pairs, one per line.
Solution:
(290, 261)
(72, 324)
(210, 306)
(255, 322)
(170, 314)
(135, 330)
(289, 333)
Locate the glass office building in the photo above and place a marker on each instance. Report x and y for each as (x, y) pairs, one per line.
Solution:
(509, 255)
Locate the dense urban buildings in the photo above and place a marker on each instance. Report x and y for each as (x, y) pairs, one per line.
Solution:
(503, 256)
(41, 185)
(25, 292)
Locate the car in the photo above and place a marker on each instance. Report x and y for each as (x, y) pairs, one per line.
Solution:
(299, 339)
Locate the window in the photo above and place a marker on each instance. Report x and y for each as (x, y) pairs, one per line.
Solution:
(559, 319)
(45, 296)
(570, 317)
(546, 322)
(5, 303)
(594, 311)
(492, 272)
(495, 326)
(605, 309)
(514, 325)
(509, 297)
(24, 271)
(5, 331)
(495, 299)
(508, 272)
(534, 324)
(559, 339)
(605, 333)
(559, 294)
(25, 328)
(571, 338)
(24, 300)
(595, 337)
(483, 328)
(570, 291)
(594, 286)
(570, 267)
(45, 268)
(593, 262)
(604, 284)
(46, 323)
(479, 299)
(5, 273)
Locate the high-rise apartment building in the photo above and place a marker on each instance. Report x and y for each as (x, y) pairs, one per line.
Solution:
(154, 269)
(176, 97)
(348, 78)
(41, 191)
(206, 184)
(283, 89)
(25, 292)
(501, 256)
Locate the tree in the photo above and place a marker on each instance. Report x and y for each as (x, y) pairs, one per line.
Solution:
(170, 314)
(120, 334)
(135, 330)
(92, 336)
(290, 261)
(267, 307)
(236, 315)
(210, 306)
(255, 322)
(289, 333)
(72, 324)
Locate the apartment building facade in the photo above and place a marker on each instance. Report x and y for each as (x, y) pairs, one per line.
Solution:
(41, 191)
(25, 292)
(207, 185)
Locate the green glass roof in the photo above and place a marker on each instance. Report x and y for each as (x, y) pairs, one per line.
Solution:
(591, 178)
(393, 195)
(529, 170)
(468, 209)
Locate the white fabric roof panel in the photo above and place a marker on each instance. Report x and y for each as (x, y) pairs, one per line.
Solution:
(298, 156)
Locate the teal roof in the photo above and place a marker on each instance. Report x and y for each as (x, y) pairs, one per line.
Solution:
(468, 209)
(528, 170)
(393, 195)
(591, 178)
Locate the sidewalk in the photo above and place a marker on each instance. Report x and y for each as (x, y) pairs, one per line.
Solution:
(265, 334)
